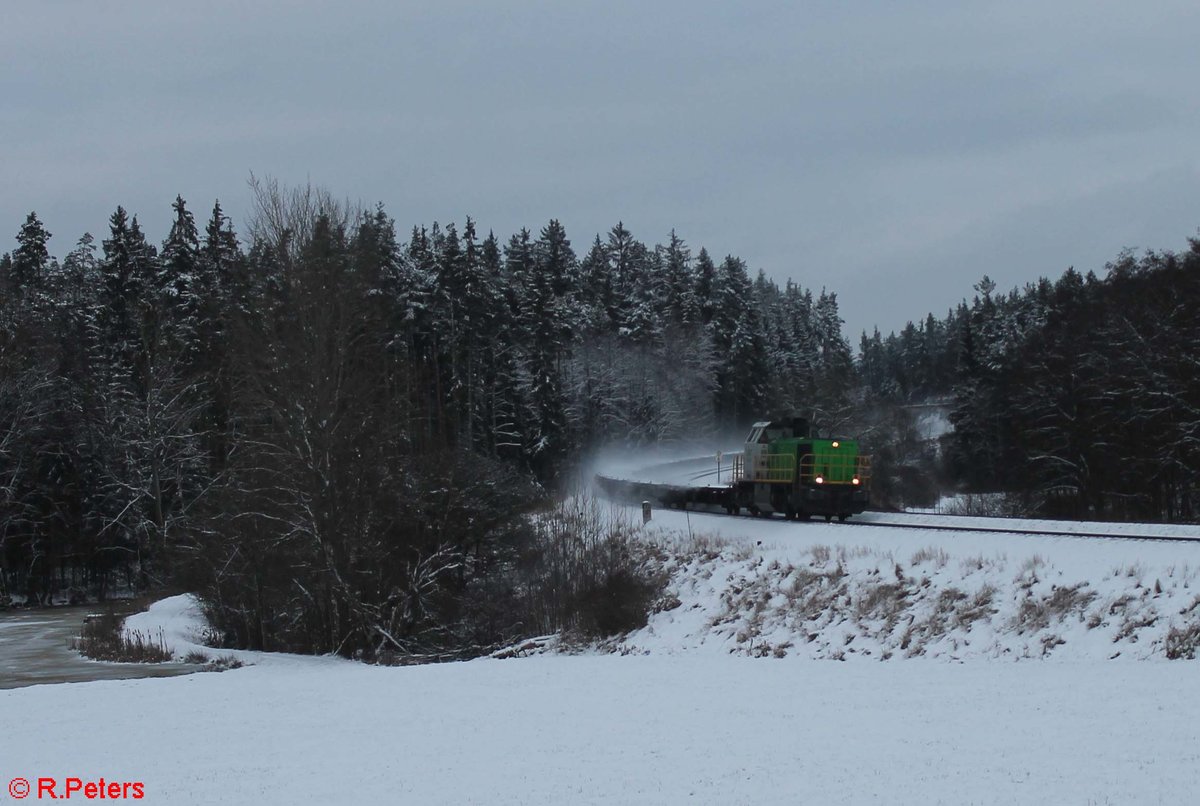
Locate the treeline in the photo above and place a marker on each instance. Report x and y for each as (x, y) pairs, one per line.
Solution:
(1080, 397)
(338, 437)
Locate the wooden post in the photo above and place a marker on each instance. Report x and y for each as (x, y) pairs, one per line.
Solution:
(645, 512)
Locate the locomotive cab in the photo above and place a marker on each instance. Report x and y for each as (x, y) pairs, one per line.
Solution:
(784, 468)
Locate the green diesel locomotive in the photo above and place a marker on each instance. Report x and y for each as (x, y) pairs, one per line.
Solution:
(784, 468)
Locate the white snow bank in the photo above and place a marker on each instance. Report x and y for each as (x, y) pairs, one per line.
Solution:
(177, 619)
(181, 623)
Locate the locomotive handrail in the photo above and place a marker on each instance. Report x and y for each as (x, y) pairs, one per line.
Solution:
(780, 468)
(769, 468)
(775, 468)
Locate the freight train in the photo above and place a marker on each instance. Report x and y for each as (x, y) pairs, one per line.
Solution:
(783, 468)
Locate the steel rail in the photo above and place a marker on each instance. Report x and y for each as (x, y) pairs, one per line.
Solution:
(1013, 530)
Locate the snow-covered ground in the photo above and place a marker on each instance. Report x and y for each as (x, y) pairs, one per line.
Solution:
(983, 713)
(609, 729)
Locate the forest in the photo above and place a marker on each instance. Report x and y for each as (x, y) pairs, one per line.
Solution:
(349, 441)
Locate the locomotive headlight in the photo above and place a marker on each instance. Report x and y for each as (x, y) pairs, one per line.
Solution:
(819, 479)
(855, 480)
(836, 443)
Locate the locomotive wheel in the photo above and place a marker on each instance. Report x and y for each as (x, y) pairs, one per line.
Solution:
(828, 518)
(842, 517)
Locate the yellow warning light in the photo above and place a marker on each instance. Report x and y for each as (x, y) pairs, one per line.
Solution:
(836, 443)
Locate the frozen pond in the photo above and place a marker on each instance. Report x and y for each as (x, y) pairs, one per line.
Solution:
(35, 648)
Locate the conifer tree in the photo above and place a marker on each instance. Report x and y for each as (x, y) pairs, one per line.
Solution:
(642, 312)
(548, 281)
(682, 301)
(179, 287)
(597, 292)
(503, 413)
(706, 280)
(30, 262)
(738, 346)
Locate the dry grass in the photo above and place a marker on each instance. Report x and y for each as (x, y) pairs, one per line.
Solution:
(103, 638)
(981, 563)
(934, 554)
(883, 601)
(1131, 571)
(1037, 612)
(1133, 623)
(977, 607)
(1182, 642)
(842, 601)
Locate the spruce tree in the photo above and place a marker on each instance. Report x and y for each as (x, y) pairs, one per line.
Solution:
(682, 301)
(597, 292)
(706, 281)
(179, 286)
(550, 333)
(30, 261)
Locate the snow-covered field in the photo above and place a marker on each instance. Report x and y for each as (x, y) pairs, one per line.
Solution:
(976, 716)
(607, 729)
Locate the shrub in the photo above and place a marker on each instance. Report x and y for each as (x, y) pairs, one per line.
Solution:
(224, 662)
(588, 570)
(993, 505)
(1182, 642)
(617, 603)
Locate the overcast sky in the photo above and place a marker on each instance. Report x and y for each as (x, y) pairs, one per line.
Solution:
(890, 152)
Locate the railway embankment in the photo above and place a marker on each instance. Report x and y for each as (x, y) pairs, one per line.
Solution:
(844, 602)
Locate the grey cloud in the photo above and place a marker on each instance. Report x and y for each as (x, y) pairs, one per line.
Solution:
(877, 149)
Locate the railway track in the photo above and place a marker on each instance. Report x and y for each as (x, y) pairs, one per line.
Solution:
(1015, 530)
(706, 500)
